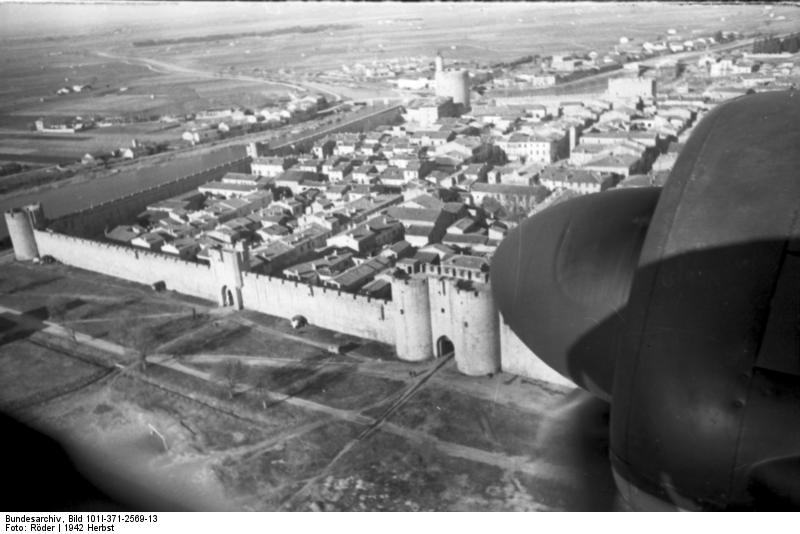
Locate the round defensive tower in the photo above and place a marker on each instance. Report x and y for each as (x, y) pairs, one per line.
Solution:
(36, 214)
(476, 330)
(412, 320)
(20, 229)
(454, 84)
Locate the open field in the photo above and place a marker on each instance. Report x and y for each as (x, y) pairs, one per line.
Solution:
(472, 33)
(288, 427)
(160, 95)
(33, 74)
(30, 369)
(250, 55)
(35, 69)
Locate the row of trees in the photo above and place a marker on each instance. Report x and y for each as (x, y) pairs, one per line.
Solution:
(776, 45)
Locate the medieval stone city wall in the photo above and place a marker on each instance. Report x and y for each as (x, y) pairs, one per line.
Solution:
(424, 310)
(516, 358)
(94, 220)
(348, 313)
(136, 265)
(425, 313)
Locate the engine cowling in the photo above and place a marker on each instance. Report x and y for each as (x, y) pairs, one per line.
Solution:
(688, 325)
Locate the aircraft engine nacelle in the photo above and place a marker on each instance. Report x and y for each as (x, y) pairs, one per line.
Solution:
(682, 309)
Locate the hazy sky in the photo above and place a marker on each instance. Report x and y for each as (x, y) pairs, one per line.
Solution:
(17, 17)
(26, 17)
(34, 17)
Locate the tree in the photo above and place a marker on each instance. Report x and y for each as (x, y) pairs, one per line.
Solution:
(491, 154)
(497, 156)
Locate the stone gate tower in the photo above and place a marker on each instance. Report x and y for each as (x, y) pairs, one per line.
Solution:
(227, 264)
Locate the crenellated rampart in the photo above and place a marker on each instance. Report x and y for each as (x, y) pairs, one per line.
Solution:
(93, 220)
(137, 265)
(429, 314)
(348, 313)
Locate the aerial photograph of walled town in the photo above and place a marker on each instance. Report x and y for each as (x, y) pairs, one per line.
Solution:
(347, 256)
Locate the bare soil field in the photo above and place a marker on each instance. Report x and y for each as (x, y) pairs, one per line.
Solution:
(392, 473)
(266, 420)
(30, 369)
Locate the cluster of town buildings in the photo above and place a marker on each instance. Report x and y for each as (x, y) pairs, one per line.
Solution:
(416, 74)
(203, 126)
(547, 71)
(712, 77)
(440, 190)
(384, 69)
(301, 224)
(436, 193)
(409, 215)
(211, 124)
(722, 76)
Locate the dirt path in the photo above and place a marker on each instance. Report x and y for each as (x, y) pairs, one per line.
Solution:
(523, 464)
(514, 463)
(402, 399)
(345, 415)
(249, 451)
(538, 469)
(26, 321)
(405, 397)
(168, 68)
(275, 332)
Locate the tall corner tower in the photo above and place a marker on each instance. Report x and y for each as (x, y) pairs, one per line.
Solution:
(412, 318)
(21, 223)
